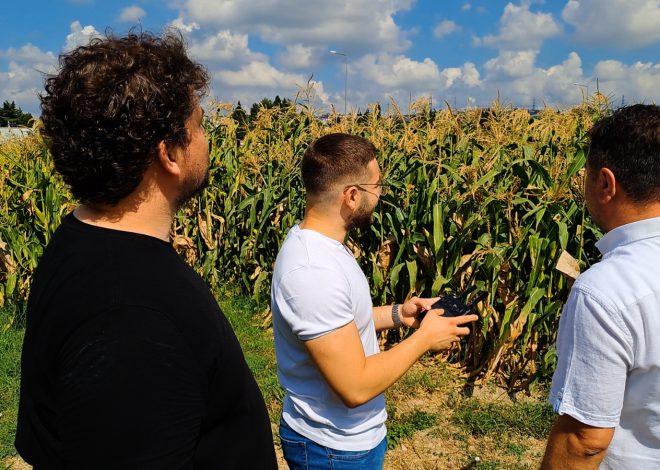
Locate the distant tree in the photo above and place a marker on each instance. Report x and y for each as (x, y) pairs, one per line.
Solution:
(12, 115)
(240, 116)
(268, 104)
(254, 110)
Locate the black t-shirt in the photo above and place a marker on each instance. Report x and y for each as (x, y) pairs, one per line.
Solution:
(129, 363)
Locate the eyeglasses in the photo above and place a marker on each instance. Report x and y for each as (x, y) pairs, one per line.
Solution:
(384, 187)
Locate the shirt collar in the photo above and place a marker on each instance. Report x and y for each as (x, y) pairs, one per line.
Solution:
(629, 233)
(320, 236)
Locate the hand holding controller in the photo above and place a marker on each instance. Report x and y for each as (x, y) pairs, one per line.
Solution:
(455, 306)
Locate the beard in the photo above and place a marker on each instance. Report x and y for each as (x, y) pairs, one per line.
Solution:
(362, 218)
(191, 187)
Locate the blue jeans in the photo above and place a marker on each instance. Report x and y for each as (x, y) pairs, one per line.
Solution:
(304, 454)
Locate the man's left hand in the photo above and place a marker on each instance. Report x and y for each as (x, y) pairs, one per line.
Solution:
(410, 310)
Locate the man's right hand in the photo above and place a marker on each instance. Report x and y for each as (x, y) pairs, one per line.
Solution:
(356, 378)
(440, 332)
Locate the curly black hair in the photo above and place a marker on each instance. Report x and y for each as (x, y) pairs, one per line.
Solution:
(110, 105)
(628, 143)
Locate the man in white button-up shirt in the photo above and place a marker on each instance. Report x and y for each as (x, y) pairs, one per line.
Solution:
(606, 388)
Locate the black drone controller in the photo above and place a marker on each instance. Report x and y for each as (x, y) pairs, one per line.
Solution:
(456, 306)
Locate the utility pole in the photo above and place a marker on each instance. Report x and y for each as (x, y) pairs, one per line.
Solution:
(345, 74)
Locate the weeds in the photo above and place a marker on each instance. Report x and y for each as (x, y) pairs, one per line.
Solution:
(524, 419)
(406, 425)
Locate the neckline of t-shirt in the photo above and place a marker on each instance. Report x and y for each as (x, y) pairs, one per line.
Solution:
(326, 238)
(75, 223)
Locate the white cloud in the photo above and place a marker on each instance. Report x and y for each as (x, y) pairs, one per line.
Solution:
(466, 7)
(132, 14)
(260, 75)
(637, 82)
(470, 75)
(444, 28)
(521, 29)
(298, 56)
(516, 77)
(399, 75)
(23, 79)
(241, 74)
(28, 53)
(182, 26)
(79, 36)
(224, 48)
(399, 71)
(511, 64)
(260, 79)
(615, 23)
(357, 26)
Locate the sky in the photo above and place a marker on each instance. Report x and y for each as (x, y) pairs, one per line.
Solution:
(460, 52)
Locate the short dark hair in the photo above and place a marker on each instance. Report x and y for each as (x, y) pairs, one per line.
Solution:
(628, 143)
(335, 158)
(110, 105)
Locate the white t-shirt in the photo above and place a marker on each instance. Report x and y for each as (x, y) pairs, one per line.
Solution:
(317, 288)
(608, 346)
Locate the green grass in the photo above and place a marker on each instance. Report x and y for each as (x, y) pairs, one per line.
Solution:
(399, 427)
(258, 347)
(10, 370)
(525, 419)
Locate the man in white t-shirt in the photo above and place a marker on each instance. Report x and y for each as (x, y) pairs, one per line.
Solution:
(325, 325)
(606, 388)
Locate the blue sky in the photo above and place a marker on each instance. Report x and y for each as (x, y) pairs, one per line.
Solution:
(459, 51)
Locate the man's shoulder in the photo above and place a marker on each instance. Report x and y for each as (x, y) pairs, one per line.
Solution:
(620, 279)
(305, 254)
(601, 276)
(109, 269)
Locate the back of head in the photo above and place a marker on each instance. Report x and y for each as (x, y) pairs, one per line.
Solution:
(628, 143)
(110, 105)
(334, 160)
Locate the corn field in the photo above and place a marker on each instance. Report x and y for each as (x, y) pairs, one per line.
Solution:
(481, 197)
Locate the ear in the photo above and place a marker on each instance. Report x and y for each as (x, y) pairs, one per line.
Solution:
(167, 157)
(607, 185)
(351, 197)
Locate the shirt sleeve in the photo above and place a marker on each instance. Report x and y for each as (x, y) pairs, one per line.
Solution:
(594, 354)
(314, 301)
(130, 394)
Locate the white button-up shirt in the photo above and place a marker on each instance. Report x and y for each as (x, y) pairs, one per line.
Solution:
(608, 346)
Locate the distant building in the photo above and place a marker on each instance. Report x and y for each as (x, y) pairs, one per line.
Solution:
(7, 133)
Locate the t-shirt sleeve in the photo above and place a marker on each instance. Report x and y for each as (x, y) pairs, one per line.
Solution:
(594, 353)
(130, 393)
(314, 301)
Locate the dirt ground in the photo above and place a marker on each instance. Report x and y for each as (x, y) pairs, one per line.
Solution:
(424, 451)
(447, 445)
(16, 463)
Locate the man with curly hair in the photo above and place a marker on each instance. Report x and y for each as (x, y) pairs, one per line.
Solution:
(128, 362)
